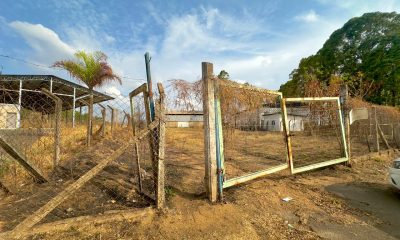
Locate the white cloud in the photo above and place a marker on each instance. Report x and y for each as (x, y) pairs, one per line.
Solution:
(308, 17)
(46, 44)
(113, 90)
(109, 39)
(241, 45)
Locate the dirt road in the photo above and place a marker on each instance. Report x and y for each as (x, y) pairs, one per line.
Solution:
(379, 200)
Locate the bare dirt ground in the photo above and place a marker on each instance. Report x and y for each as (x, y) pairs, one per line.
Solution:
(337, 202)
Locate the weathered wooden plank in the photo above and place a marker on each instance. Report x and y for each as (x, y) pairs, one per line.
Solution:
(160, 190)
(140, 89)
(33, 170)
(152, 140)
(210, 151)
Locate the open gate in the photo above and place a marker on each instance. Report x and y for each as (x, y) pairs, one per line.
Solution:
(251, 132)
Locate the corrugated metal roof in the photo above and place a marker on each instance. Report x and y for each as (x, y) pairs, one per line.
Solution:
(37, 82)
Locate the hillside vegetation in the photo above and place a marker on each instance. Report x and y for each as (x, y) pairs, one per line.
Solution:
(365, 53)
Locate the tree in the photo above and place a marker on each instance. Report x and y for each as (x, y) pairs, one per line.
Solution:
(223, 75)
(364, 53)
(93, 70)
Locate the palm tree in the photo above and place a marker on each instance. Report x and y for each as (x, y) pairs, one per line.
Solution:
(93, 70)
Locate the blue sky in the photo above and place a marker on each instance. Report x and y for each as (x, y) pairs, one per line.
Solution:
(259, 42)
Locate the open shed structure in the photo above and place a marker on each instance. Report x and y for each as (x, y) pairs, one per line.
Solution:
(24, 91)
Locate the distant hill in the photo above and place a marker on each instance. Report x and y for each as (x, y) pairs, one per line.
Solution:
(365, 52)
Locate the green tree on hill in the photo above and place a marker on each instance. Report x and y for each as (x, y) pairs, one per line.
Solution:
(368, 45)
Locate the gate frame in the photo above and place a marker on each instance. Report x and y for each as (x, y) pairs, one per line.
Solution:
(345, 156)
(249, 176)
(213, 137)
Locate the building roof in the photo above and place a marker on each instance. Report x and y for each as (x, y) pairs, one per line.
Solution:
(32, 84)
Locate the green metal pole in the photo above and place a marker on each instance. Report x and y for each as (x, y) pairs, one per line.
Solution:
(150, 86)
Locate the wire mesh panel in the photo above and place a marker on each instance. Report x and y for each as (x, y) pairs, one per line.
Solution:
(145, 150)
(27, 122)
(316, 132)
(88, 180)
(185, 137)
(252, 128)
(373, 127)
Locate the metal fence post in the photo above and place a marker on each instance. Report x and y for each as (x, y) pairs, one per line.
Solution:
(219, 139)
(286, 129)
(344, 97)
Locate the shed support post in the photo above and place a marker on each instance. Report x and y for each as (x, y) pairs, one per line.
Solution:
(57, 130)
(73, 108)
(19, 104)
(210, 151)
(80, 114)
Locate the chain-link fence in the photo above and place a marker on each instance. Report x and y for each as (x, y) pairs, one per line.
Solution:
(81, 179)
(27, 126)
(185, 137)
(252, 128)
(377, 129)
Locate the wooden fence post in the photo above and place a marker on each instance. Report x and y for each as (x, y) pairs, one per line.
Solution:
(57, 128)
(112, 119)
(210, 152)
(103, 115)
(160, 190)
(376, 131)
(141, 89)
